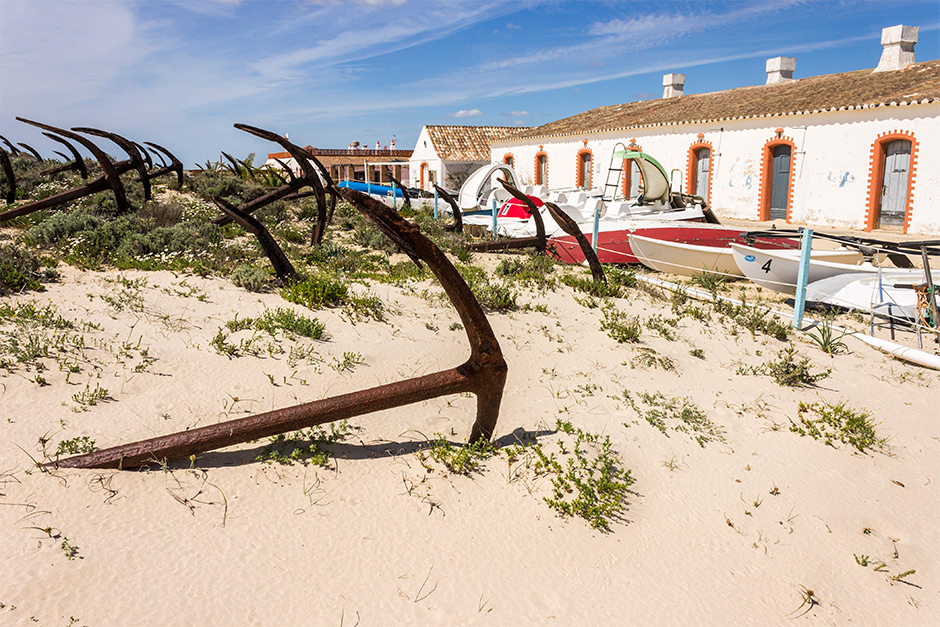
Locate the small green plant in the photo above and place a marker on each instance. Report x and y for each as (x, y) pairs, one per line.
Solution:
(648, 358)
(619, 325)
(830, 422)
(459, 459)
(825, 338)
(698, 353)
(307, 446)
(678, 414)
(70, 550)
(80, 444)
(591, 484)
(788, 369)
(901, 576)
(91, 396)
(349, 361)
(861, 560)
(714, 282)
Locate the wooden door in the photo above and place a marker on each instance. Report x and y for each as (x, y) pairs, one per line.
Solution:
(703, 163)
(780, 182)
(894, 185)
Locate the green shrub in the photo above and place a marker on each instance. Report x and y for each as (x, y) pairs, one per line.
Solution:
(250, 277)
(592, 287)
(19, 269)
(788, 370)
(837, 422)
(317, 291)
(620, 326)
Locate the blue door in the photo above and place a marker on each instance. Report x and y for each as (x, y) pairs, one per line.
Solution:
(894, 186)
(780, 182)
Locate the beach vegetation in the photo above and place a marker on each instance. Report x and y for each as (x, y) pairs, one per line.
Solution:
(676, 414)
(620, 325)
(648, 358)
(459, 459)
(588, 285)
(825, 338)
(80, 444)
(590, 482)
(285, 321)
(714, 282)
(20, 270)
(788, 369)
(250, 277)
(314, 446)
(535, 269)
(833, 422)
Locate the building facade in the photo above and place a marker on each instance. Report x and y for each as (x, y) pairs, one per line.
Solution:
(857, 150)
(447, 155)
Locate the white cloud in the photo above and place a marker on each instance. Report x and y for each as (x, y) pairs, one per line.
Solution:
(466, 113)
(520, 113)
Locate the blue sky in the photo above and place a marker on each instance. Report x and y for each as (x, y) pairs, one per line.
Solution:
(180, 73)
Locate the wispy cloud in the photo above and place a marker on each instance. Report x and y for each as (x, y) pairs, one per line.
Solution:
(466, 113)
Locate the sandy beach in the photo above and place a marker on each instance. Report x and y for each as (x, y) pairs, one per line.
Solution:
(731, 517)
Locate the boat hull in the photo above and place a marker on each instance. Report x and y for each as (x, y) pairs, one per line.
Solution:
(709, 252)
(779, 272)
(613, 246)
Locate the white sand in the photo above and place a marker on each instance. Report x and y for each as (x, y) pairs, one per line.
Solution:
(377, 540)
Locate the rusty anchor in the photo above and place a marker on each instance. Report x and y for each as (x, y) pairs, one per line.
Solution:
(571, 227)
(538, 242)
(457, 226)
(110, 179)
(483, 374)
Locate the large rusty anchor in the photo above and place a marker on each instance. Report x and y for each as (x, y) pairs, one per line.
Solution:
(538, 242)
(309, 177)
(483, 374)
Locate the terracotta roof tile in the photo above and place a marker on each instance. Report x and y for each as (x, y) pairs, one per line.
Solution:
(468, 143)
(917, 83)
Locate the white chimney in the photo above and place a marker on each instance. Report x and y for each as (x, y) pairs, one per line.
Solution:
(673, 84)
(898, 42)
(780, 69)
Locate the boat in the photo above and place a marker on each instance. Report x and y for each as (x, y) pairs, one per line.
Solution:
(889, 293)
(373, 189)
(613, 239)
(778, 271)
(698, 250)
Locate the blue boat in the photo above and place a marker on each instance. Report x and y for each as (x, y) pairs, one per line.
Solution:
(371, 188)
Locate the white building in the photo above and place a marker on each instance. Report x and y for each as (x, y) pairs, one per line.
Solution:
(854, 150)
(446, 155)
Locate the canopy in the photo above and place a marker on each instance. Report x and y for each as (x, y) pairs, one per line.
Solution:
(655, 179)
(475, 192)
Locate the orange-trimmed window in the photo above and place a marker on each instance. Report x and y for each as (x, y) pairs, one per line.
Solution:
(509, 160)
(698, 175)
(776, 178)
(541, 168)
(584, 177)
(891, 172)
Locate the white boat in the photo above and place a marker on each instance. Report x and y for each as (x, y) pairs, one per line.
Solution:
(685, 258)
(890, 293)
(778, 271)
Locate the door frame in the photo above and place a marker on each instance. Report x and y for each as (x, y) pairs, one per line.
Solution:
(766, 174)
(691, 177)
(876, 176)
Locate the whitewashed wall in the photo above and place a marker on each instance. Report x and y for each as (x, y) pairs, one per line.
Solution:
(424, 152)
(830, 161)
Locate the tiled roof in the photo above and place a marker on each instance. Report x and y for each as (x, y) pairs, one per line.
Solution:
(468, 143)
(916, 84)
